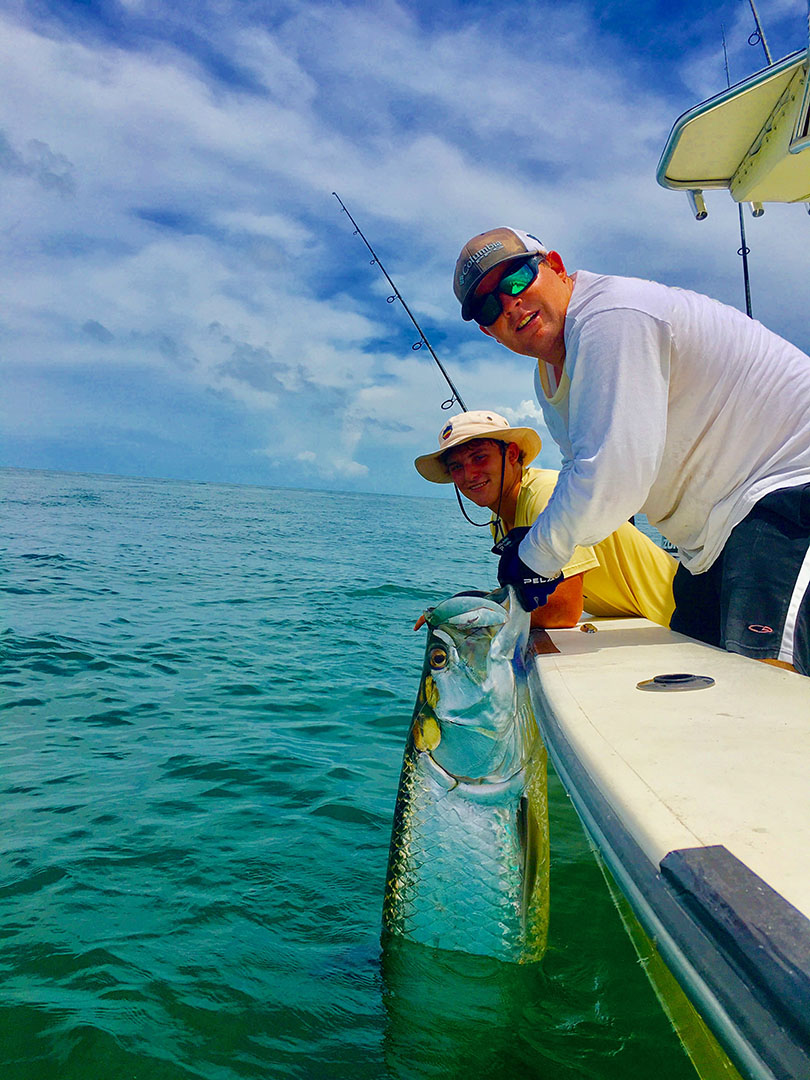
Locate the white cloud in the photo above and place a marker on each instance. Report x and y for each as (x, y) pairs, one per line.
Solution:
(194, 222)
(528, 414)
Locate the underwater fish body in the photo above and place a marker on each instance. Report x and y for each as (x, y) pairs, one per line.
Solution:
(468, 863)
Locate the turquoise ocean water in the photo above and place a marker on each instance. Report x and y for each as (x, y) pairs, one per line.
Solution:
(205, 695)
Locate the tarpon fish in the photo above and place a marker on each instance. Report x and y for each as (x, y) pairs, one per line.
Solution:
(468, 864)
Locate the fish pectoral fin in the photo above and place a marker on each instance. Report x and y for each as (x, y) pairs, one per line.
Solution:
(529, 833)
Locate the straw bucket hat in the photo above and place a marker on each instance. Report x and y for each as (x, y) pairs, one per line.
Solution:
(478, 424)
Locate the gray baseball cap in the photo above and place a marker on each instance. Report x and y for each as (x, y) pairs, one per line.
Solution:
(488, 249)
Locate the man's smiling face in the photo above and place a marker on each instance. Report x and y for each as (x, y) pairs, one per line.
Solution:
(478, 468)
(533, 322)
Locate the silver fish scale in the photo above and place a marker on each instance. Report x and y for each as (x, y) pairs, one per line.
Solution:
(456, 872)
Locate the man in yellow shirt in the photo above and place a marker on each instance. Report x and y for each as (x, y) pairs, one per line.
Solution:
(486, 459)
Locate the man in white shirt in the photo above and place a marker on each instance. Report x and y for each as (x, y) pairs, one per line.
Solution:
(666, 402)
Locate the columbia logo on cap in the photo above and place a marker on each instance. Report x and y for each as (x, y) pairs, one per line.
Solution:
(447, 431)
(476, 257)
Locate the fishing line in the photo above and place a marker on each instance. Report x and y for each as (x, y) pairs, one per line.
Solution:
(495, 522)
(397, 296)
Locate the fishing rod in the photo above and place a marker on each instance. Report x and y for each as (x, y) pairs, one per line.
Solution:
(757, 37)
(423, 340)
(418, 345)
(744, 250)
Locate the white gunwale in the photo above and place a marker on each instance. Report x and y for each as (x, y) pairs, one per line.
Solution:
(714, 780)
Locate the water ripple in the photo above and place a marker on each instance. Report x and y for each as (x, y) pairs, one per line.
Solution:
(202, 730)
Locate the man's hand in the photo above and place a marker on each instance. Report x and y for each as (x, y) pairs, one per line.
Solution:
(532, 588)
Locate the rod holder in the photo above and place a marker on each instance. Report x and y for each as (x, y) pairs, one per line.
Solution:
(696, 201)
(757, 209)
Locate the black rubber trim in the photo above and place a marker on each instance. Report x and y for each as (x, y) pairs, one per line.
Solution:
(766, 938)
(736, 966)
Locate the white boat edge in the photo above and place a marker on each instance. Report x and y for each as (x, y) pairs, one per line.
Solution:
(699, 803)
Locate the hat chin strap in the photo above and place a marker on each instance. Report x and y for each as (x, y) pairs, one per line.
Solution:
(497, 523)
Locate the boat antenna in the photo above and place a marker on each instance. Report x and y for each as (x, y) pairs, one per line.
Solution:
(397, 296)
(743, 250)
(758, 36)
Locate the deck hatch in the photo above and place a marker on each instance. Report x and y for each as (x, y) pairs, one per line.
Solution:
(676, 682)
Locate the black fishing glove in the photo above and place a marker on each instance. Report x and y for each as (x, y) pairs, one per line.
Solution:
(532, 589)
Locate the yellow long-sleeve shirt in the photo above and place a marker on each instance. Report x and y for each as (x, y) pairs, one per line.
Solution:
(626, 574)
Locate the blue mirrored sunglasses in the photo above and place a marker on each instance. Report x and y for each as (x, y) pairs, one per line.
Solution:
(488, 307)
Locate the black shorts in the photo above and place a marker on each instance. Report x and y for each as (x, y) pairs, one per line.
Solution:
(754, 599)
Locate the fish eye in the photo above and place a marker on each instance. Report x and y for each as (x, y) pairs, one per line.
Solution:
(438, 657)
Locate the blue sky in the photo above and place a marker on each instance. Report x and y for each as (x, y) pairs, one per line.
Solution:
(183, 296)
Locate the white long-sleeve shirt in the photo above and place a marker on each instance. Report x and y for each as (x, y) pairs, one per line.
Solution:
(671, 404)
